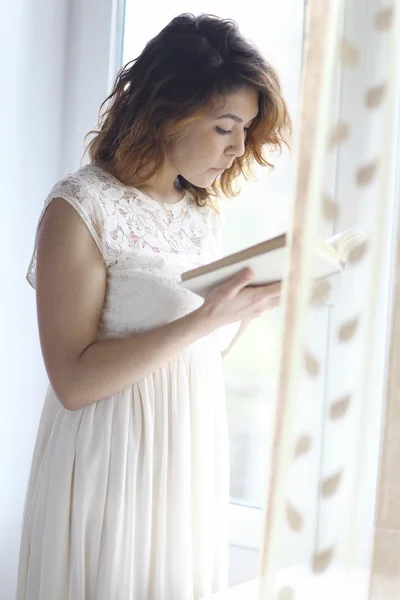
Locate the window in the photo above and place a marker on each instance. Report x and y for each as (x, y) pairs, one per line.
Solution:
(251, 366)
(277, 28)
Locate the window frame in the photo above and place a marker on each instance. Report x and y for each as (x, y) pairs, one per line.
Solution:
(100, 54)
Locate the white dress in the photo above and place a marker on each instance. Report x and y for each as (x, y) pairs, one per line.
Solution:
(128, 497)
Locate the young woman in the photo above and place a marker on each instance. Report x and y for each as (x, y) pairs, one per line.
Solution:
(128, 494)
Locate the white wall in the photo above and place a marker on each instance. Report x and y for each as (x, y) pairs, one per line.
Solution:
(54, 72)
(33, 52)
(93, 57)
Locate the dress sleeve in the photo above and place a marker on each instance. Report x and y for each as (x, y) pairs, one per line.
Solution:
(84, 200)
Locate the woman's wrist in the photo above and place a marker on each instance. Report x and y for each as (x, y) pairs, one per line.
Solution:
(202, 322)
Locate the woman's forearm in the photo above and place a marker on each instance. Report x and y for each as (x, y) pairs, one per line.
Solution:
(107, 367)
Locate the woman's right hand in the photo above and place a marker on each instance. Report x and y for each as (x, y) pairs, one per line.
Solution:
(236, 300)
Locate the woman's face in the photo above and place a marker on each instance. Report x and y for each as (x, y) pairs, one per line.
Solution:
(211, 144)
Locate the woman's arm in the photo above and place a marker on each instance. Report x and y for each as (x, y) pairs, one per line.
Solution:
(70, 289)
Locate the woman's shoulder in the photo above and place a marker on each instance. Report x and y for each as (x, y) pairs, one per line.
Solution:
(81, 184)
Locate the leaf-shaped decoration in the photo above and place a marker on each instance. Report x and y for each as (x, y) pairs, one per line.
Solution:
(349, 54)
(330, 208)
(322, 560)
(366, 174)
(312, 365)
(374, 96)
(357, 253)
(339, 135)
(320, 291)
(285, 593)
(330, 485)
(348, 330)
(303, 446)
(384, 18)
(295, 519)
(339, 408)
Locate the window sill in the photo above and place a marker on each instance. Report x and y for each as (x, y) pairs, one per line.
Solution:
(246, 525)
(336, 582)
(244, 591)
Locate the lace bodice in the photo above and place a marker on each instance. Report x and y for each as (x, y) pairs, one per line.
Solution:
(145, 244)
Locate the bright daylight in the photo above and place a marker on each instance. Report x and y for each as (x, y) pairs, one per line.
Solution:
(202, 307)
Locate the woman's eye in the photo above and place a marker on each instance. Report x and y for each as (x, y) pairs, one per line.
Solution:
(226, 132)
(223, 131)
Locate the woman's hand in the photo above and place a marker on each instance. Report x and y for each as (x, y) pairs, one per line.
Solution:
(234, 300)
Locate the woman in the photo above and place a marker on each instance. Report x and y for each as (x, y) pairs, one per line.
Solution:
(128, 493)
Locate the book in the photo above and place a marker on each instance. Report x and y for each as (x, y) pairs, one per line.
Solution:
(268, 259)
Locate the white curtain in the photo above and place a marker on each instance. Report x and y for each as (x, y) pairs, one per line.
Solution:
(319, 518)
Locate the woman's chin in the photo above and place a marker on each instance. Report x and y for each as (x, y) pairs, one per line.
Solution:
(204, 181)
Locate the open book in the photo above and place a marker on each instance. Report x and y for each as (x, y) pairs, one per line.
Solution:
(267, 260)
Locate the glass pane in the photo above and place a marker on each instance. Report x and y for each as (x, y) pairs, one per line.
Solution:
(262, 210)
(250, 375)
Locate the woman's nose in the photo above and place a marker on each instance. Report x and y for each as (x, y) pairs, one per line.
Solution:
(238, 147)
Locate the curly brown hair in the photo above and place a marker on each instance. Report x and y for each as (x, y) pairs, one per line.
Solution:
(191, 62)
